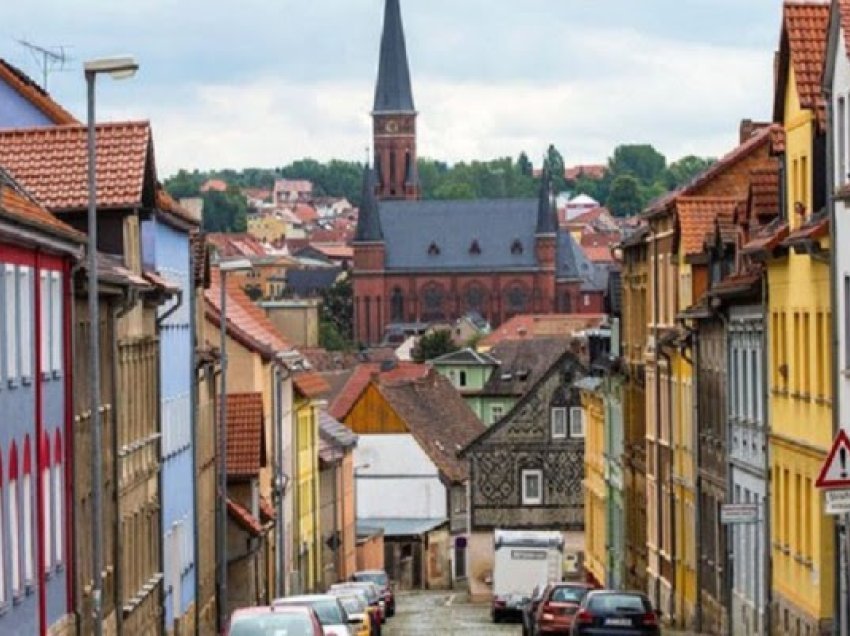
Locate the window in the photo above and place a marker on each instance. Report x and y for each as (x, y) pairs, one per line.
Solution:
(559, 422)
(11, 298)
(46, 504)
(26, 515)
(397, 305)
(496, 412)
(587, 300)
(45, 325)
(576, 422)
(532, 487)
(462, 378)
(25, 322)
(841, 177)
(58, 497)
(14, 517)
(55, 322)
(806, 360)
(820, 351)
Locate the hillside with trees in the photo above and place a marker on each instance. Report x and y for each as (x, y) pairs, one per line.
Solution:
(636, 174)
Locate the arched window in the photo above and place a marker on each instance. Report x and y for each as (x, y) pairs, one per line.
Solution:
(2, 539)
(14, 521)
(397, 305)
(517, 299)
(58, 497)
(433, 300)
(47, 524)
(26, 514)
(475, 297)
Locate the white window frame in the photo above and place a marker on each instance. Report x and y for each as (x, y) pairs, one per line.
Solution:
(56, 330)
(10, 292)
(58, 499)
(577, 417)
(25, 299)
(44, 327)
(14, 536)
(528, 500)
(26, 506)
(558, 422)
(46, 504)
(497, 412)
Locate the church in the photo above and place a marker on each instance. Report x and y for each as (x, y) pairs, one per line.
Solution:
(432, 261)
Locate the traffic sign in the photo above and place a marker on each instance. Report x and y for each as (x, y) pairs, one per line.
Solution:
(837, 502)
(739, 513)
(835, 472)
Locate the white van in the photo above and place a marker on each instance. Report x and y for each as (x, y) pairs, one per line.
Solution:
(523, 560)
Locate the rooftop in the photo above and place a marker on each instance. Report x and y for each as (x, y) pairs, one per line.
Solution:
(246, 449)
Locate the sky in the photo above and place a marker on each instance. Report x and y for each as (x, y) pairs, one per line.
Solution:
(261, 83)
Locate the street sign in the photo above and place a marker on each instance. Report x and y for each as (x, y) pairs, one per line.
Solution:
(837, 502)
(739, 513)
(835, 472)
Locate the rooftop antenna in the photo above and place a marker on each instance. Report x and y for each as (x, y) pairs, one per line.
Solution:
(49, 59)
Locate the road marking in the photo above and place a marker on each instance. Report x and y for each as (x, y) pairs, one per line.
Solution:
(450, 601)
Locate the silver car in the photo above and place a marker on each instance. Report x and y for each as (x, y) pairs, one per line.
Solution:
(330, 611)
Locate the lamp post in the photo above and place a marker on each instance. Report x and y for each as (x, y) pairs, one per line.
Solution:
(117, 68)
(224, 266)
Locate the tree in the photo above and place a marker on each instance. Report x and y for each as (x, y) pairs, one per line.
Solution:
(433, 345)
(524, 165)
(640, 160)
(185, 184)
(557, 169)
(225, 211)
(625, 196)
(331, 339)
(338, 309)
(682, 171)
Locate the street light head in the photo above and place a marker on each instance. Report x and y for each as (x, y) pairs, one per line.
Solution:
(235, 265)
(116, 67)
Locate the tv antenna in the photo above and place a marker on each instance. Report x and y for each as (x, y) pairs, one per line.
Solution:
(49, 59)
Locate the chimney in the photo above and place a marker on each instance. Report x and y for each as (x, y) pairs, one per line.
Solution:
(748, 128)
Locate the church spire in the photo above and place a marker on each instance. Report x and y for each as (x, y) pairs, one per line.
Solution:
(393, 93)
(546, 217)
(368, 219)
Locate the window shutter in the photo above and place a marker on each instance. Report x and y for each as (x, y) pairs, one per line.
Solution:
(44, 290)
(10, 291)
(56, 321)
(26, 321)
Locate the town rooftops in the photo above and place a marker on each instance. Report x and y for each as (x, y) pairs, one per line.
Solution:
(363, 374)
(465, 356)
(35, 95)
(246, 449)
(19, 207)
(522, 363)
(52, 164)
(334, 438)
(697, 217)
(528, 326)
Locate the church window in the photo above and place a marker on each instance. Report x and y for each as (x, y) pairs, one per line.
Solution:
(397, 305)
(475, 296)
(517, 298)
(475, 248)
(433, 298)
(393, 178)
(433, 249)
(516, 247)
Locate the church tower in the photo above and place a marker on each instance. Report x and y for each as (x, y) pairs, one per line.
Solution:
(394, 115)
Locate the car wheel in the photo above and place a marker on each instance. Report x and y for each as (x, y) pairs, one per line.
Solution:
(497, 618)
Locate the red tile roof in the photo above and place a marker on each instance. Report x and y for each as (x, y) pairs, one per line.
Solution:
(34, 94)
(764, 192)
(541, 326)
(166, 203)
(362, 375)
(246, 322)
(697, 217)
(737, 283)
(246, 450)
(844, 15)
(334, 250)
(214, 185)
(767, 238)
(815, 227)
(805, 25)
(306, 213)
(310, 384)
(237, 244)
(52, 163)
(592, 171)
(244, 518)
(17, 206)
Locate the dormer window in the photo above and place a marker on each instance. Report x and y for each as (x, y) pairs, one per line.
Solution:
(516, 247)
(433, 249)
(475, 248)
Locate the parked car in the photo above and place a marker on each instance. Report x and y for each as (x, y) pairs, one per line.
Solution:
(558, 605)
(266, 621)
(615, 614)
(379, 578)
(529, 610)
(356, 605)
(373, 600)
(331, 614)
(376, 599)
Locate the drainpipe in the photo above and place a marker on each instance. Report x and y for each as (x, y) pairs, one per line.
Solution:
(657, 381)
(695, 440)
(71, 451)
(117, 539)
(765, 387)
(193, 424)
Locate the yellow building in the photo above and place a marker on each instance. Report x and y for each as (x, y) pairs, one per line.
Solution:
(268, 228)
(595, 505)
(799, 314)
(308, 540)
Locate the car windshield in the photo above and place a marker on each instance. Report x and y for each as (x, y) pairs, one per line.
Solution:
(370, 592)
(613, 603)
(351, 604)
(272, 625)
(327, 609)
(379, 578)
(568, 594)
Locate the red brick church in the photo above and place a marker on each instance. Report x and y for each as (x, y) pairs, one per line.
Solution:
(419, 262)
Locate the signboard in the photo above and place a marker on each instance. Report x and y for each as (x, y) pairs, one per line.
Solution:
(739, 513)
(838, 502)
(835, 472)
(528, 555)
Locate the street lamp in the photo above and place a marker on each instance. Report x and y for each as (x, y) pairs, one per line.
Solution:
(117, 68)
(224, 267)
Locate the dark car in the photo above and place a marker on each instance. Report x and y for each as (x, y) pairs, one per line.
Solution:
(266, 621)
(558, 606)
(379, 578)
(529, 610)
(615, 614)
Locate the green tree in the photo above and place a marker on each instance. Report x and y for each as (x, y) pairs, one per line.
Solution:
(454, 191)
(331, 339)
(225, 211)
(682, 171)
(557, 169)
(338, 309)
(185, 184)
(433, 345)
(625, 197)
(524, 165)
(640, 160)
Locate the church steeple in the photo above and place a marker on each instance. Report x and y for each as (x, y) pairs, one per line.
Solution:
(547, 221)
(368, 221)
(393, 93)
(394, 114)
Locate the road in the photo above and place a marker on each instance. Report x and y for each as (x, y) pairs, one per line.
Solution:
(448, 614)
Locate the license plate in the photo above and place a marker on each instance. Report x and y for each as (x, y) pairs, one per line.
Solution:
(618, 622)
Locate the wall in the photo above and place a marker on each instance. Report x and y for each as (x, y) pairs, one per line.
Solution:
(419, 495)
(17, 112)
(299, 320)
(370, 552)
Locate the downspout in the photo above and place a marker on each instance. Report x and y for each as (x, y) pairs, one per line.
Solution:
(659, 520)
(296, 499)
(695, 440)
(193, 424)
(839, 612)
(117, 543)
(71, 448)
(768, 552)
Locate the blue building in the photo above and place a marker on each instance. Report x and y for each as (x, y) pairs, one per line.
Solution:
(166, 249)
(23, 103)
(36, 256)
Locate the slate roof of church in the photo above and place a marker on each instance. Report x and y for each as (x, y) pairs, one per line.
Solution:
(393, 93)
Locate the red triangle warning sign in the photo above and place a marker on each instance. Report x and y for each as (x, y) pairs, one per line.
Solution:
(835, 472)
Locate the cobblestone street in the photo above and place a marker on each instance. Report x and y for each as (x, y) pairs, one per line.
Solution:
(443, 613)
